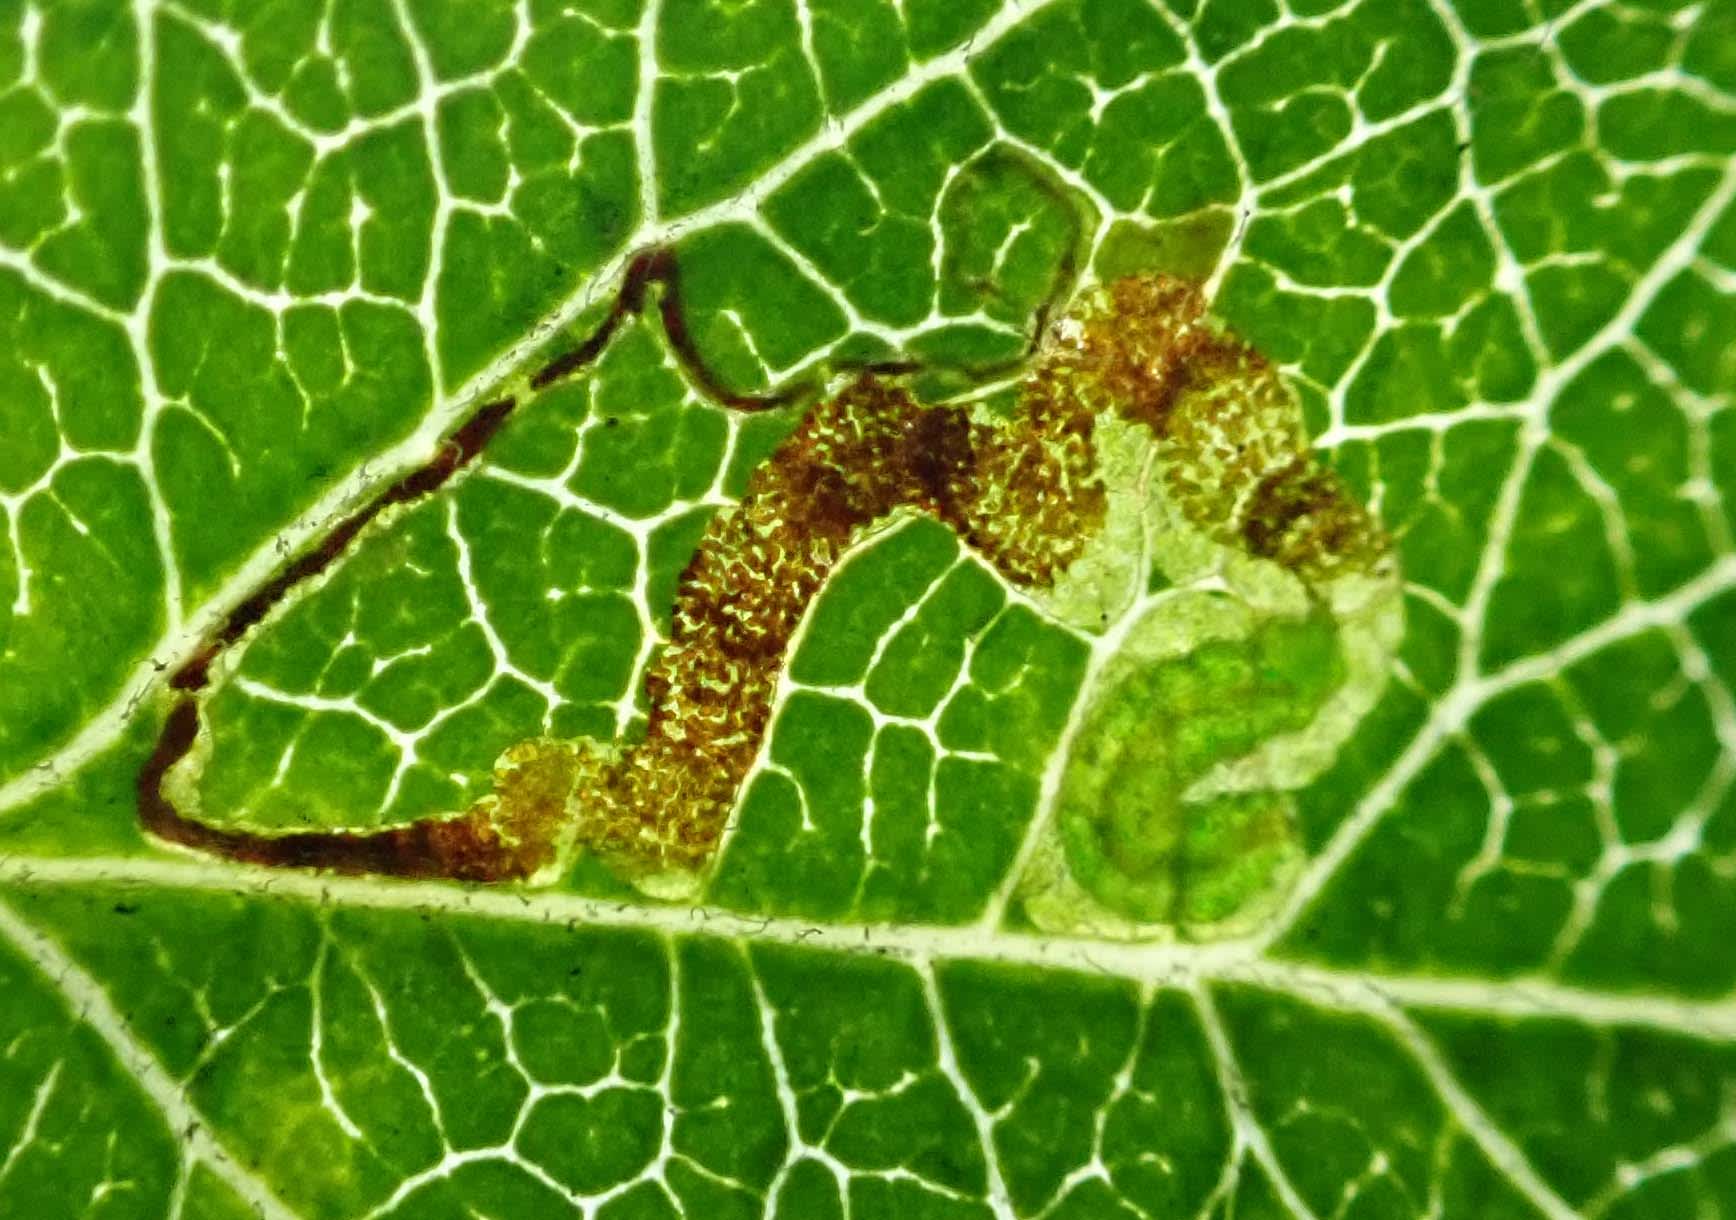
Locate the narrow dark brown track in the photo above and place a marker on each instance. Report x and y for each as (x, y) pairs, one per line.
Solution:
(658, 267)
(463, 848)
(455, 452)
(457, 848)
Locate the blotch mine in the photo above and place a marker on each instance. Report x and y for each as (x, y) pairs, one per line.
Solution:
(1134, 838)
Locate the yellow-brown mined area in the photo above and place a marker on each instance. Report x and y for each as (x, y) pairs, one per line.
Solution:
(528, 807)
(1026, 494)
(1232, 452)
(1026, 498)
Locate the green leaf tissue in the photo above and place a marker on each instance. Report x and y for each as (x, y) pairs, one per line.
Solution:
(868, 609)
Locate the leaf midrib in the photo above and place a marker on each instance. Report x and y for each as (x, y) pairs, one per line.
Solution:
(1144, 964)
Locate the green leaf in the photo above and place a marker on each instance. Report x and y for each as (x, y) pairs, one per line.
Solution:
(687, 482)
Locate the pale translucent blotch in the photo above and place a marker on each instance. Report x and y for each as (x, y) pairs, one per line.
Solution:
(1168, 574)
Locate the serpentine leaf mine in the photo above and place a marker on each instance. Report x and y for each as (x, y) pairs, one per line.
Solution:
(1149, 488)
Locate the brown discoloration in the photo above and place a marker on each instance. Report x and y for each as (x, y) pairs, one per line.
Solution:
(470, 846)
(453, 454)
(1036, 497)
(481, 845)
(855, 459)
(477, 846)
(1025, 494)
(630, 300)
(1135, 347)
(1233, 455)
(658, 267)
(1303, 517)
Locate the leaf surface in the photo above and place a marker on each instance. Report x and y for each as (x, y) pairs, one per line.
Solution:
(261, 266)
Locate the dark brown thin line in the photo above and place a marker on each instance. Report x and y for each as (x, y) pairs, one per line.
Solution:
(425, 848)
(451, 848)
(455, 452)
(658, 266)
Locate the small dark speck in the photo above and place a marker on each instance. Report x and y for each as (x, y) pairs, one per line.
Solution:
(126, 908)
(610, 421)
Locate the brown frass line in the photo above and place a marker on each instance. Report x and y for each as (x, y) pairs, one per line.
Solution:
(454, 453)
(420, 849)
(658, 266)
(464, 445)
(463, 847)
(1023, 495)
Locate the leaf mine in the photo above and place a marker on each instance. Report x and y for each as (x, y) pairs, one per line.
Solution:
(1143, 437)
